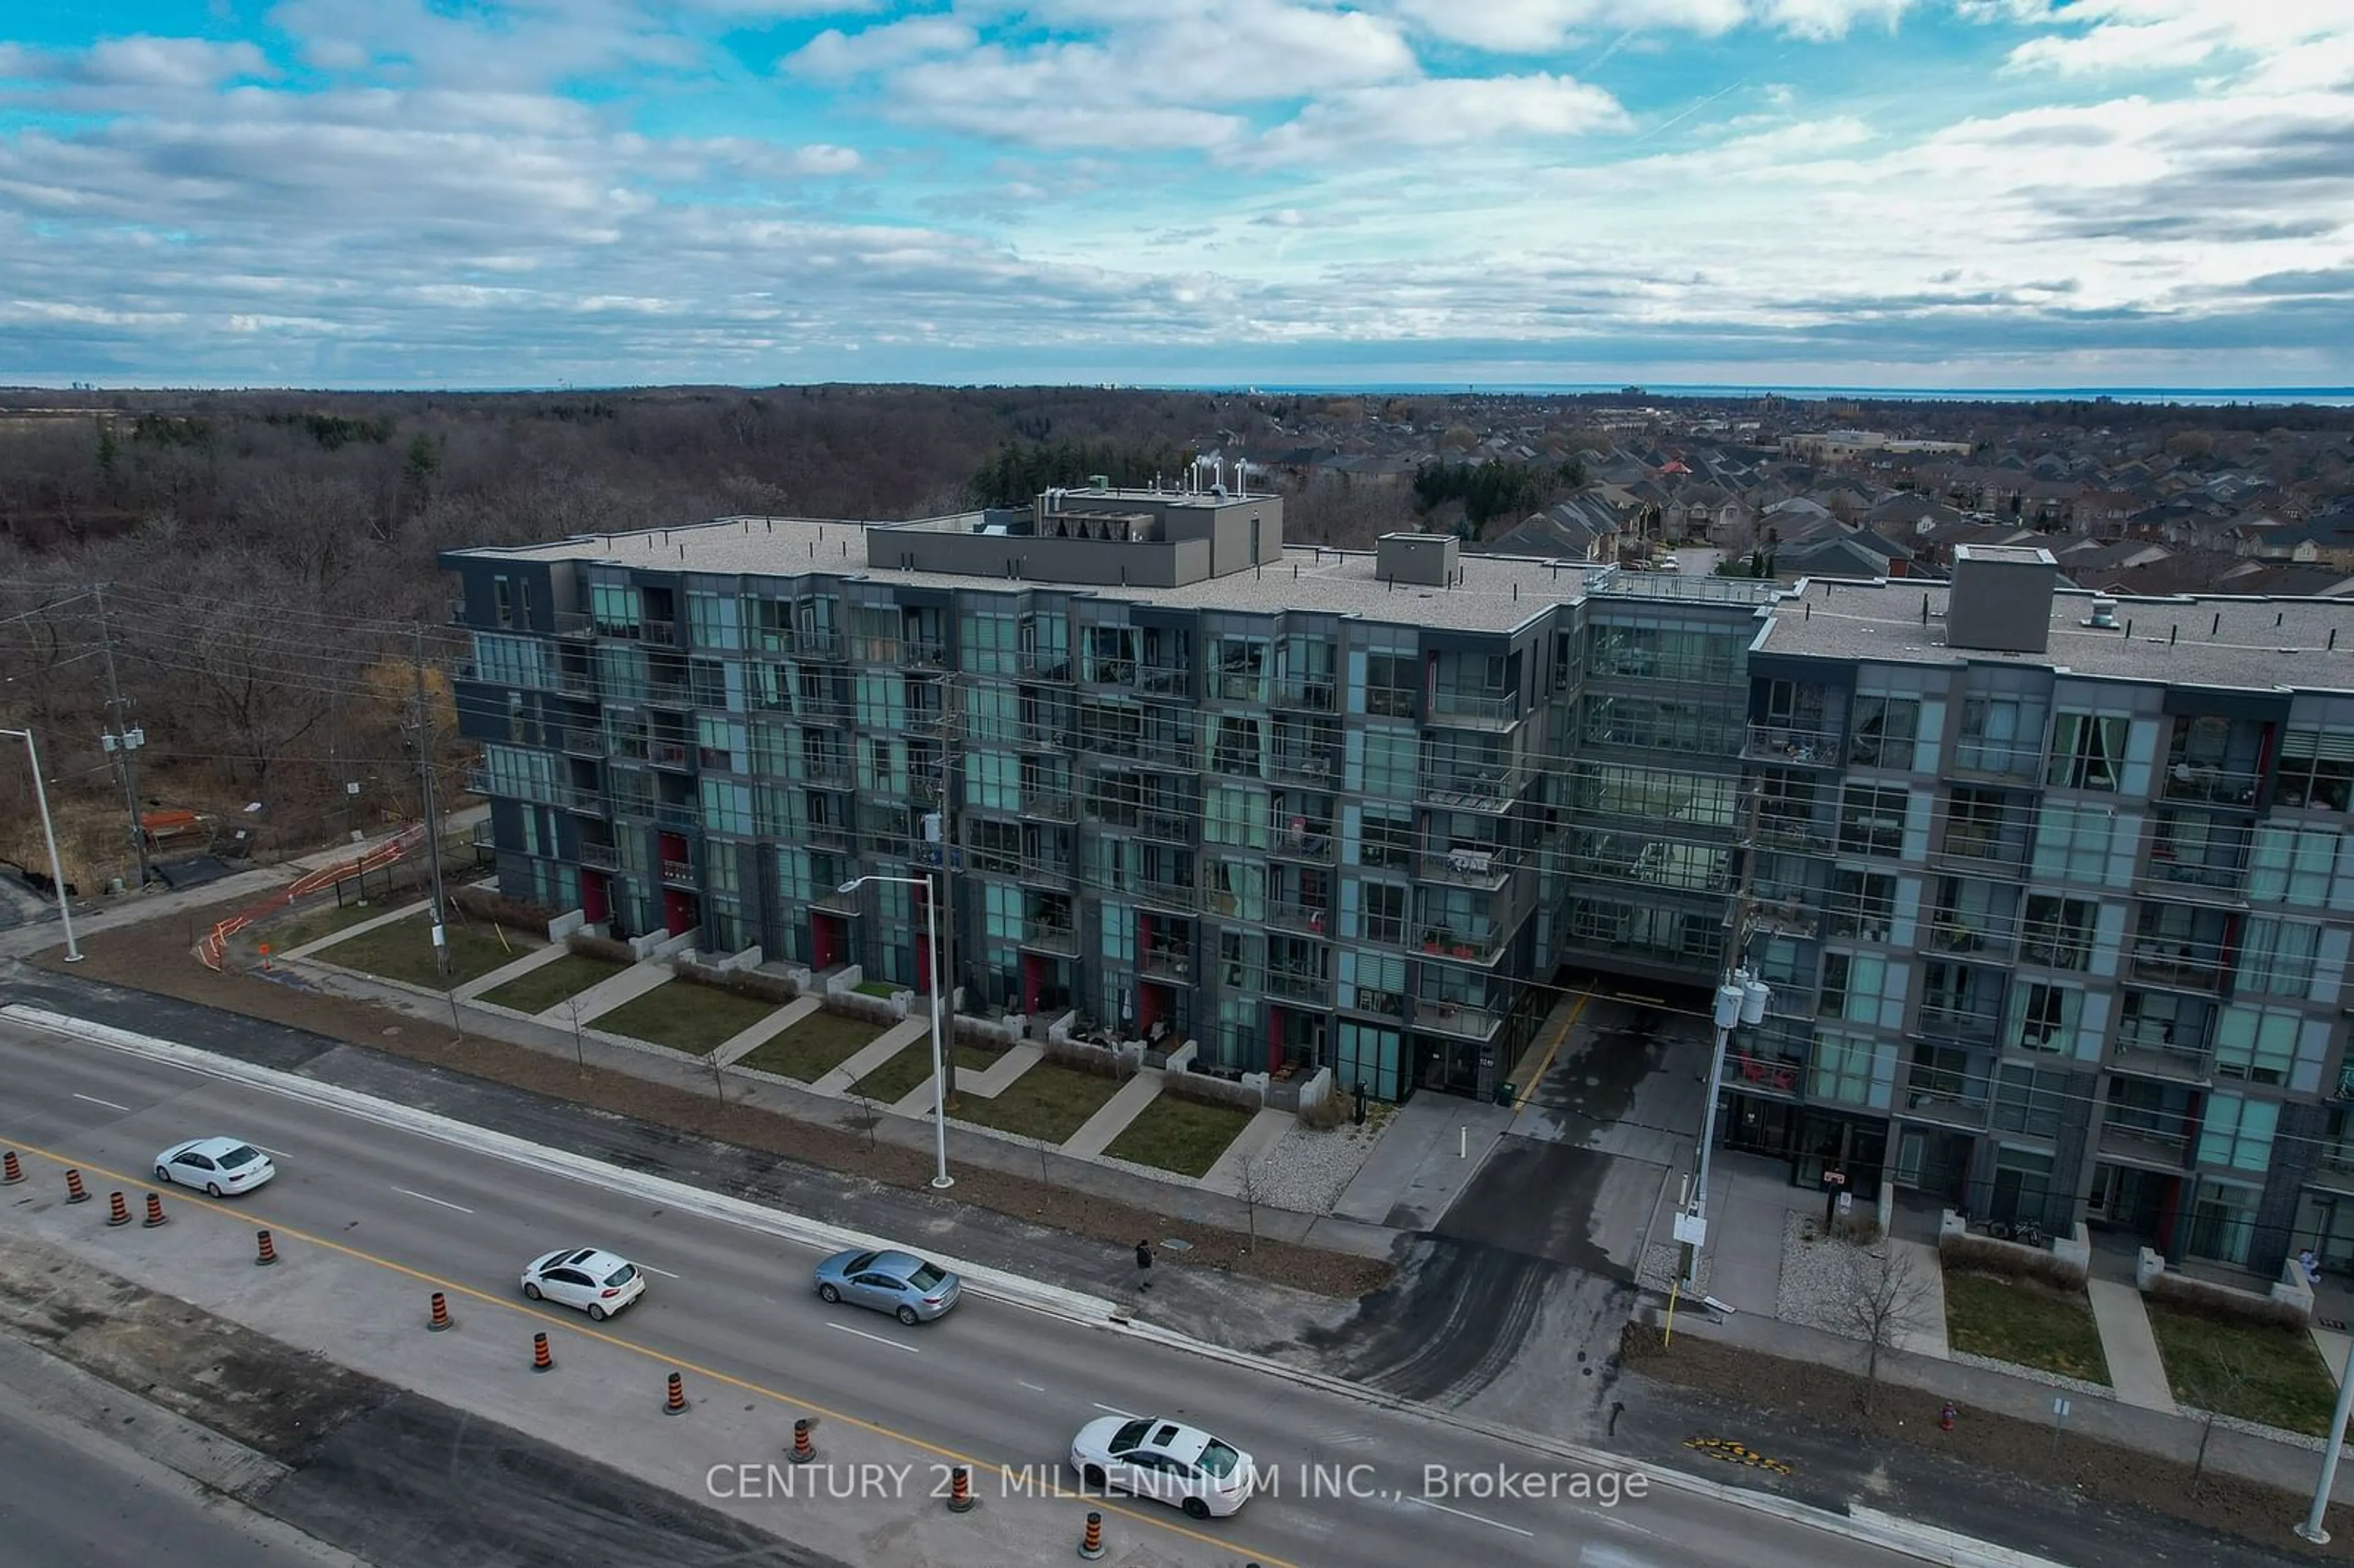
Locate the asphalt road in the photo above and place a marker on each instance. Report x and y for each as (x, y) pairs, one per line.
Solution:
(71, 1498)
(991, 1381)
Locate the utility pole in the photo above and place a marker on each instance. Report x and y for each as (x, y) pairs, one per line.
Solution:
(432, 825)
(944, 984)
(1739, 999)
(119, 742)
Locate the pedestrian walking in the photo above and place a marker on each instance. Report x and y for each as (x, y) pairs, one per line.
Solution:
(1144, 1265)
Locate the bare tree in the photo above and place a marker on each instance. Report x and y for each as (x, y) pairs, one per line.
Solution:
(864, 1114)
(1253, 1184)
(2223, 1381)
(1884, 1298)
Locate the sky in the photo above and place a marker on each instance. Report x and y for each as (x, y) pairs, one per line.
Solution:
(480, 194)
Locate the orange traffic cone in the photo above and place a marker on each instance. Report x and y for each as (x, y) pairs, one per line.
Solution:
(676, 1403)
(1091, 1544)
(155, 1214)
(268, 1252)
(440, 1318)
(75, 1192)
(540, 1360)
(802, 1450)
(961, 1490)
(12, 1169)
(120, 1212)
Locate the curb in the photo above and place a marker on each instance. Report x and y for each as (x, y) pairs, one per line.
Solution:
(1922, 1543)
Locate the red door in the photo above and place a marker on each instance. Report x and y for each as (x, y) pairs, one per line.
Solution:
(594, 905)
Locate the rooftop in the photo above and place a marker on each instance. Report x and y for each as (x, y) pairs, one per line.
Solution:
(2259, 645)
(1495, 593)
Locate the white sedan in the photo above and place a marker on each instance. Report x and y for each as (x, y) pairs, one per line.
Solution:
(596, 1282)
(1168, 1461)
(219, 1165)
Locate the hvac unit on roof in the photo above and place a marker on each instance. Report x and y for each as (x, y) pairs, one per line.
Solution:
(2104, 615)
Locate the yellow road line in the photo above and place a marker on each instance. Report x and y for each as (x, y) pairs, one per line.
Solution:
(1560, 1038)
(1005, 1471)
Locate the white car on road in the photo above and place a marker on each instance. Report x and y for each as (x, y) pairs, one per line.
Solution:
(219, 1165)
(596, 1282)
(1168, 1461)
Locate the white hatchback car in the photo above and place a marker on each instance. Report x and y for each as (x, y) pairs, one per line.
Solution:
(598, 1283)
(1168, 1461)
(219, 1165)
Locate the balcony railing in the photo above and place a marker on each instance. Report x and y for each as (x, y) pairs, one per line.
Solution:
(1307, 765)
(1479, 789)
(677, 815)
(1465, 867)
(1313, 694)
(1764, 1075)
(2216, 786)
(1045, 736)
(1181, 896)
(2154, 1059)
(1167, 963)
(1786, 917)
(1311, 918)
(671, 754)
(1166, 826)
(833, 901)
(572, 623)
(1045, 664)
(2138, 1141)
(1163, 680)
(1800, 747)
(2192, 879)
(1457, 1019)
(1475, 709)
(1795, 833)
(1056, 805)
(600, 857)
(1299, 985)
(1313, 841)
(1481, 946)
(1053, 936)
(577, 684)
(587, 802)
(2177, 966)
(581, 742)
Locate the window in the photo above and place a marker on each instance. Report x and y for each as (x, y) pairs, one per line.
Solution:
(1942, 1072)
(714, 620)
(1386, 839)
(1391, 680)
(2293, 865)
(2238, 1132)
(1391, 758)
(2044, 1017)
(1992, 737)
(1847, 1069)
(2087, 751)
(1384, 913)
(1975, 820)
(1862, 904)
(615, 608)
(510, 661)
(990, 641)
(2031, 1100)
(2072, 843)
(2276, 957)
(1236, 816)
(1871, 822)
(727, 806)
(1853, 985)
(2316, 767)
(1883, 732)
(2256, 1045)
(2059, 931)
(502, 601)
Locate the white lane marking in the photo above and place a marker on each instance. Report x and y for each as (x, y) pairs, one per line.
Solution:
(666, 1273)
(274, 1154)
(1115, 1410)
(1033, 1387)
(108, 1104)
(876, 1337)
(1474, 1518)
(430, 1199)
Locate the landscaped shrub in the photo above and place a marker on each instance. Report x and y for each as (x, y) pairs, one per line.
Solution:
(2223, 1302)
(749, 983)
(1210, 1091)
(1324, 1115)
(2010, 1260)
(604, 947)
(486, 904)
(1085, 1058)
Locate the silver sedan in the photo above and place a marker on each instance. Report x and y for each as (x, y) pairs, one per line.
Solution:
(899, 1283)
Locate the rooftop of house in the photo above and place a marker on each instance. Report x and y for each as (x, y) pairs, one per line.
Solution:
(1495, 593)
(2187, 640)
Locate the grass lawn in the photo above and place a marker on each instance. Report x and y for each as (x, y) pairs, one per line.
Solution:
(305, 925)
(2025, 1323)
(404, 951)
(1177, 1134)
(1049, 1103)
(685, 1016)
(813, 1047)
(2257, 1372)
(912, 1067)
(556, 980)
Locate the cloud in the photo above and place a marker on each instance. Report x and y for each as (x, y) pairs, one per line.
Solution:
(2173, 35)
(837, 56)
(1442, 112)
(1544, 26)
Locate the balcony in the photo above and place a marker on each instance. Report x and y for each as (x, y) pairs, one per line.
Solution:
(2151, 1056)
(1164, 680)
(1794, 832)
(2174, 965)
(1386, 1003)
(1479, 947)
(579, 684)
(1169, 963)
(1050, 935)
(1945, 1095)
(1046, 663)
(1786, 918)
(1168, 827)
(1299, 985)
(1460, 1020)
(678, 814)
(1038, 736)
(1054, 805)
(833, 901)
(1309, 918)
(1475, 710)
(1314, 694)
(671, 753)
(1305, 765)
(1793, 748)
(1763, 1075)
(581, 742)
(1179, 895)
(924, 653)
(600, 857)
(2212, 786)
(572, 623)
(587, 803)
(1487, 868)
(679, 873)
(2141, 1143)
(661, 633)
(828, 835)
(1311, 842)
(1472, 790)
(826, 769)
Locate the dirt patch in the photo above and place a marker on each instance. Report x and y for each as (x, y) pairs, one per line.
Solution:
(154, 956)
(1835, 1403)
(279, 1401)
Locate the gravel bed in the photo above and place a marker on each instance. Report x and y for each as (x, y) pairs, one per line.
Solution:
(2033, 1374)
(1817, 1279)
(1663, 1266)
(1306, 1168)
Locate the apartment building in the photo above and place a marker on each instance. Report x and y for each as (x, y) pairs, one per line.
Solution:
(1302, 806)
(2053, 893)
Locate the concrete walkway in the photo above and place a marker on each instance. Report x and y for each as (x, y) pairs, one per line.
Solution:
(1427, 1156)
(2135, 1370)
(884, 1046)
(505, 972)
(1109, 1122)
(768, 1029)
(1264, 1128)
(1927, 1334)
(390, 918)
(2333, 1346)
(988, 1086)
(608, 994)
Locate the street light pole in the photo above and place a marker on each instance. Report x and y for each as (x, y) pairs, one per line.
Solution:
(50, 837)
(1740, 1000)
(940, 1176)
(2312, 1528)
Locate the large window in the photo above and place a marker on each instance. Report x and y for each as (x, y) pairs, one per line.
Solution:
(1883, 732)
(2043, 1018)
(2276, 957)
(2316, 767)
(1849, 1069)
(510, 661)
(715, 619)
(2088, 751)
(2058, 932)
(1391, 680)
(1862, 904)
(1853, 985)
(2072, 843)
(2031, 1100)
(2238, 1132)
(1236, 815)
(1872, 821)
(1386, 839)
(1392, 760)
(2255, 1044)
(2293, 865)
(990, 641)
(726, 806)
(1996, 737)
(1384, 913)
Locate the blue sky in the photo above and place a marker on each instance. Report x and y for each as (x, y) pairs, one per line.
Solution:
(499, 192)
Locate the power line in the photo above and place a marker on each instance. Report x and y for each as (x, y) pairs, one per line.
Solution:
(122, 740)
